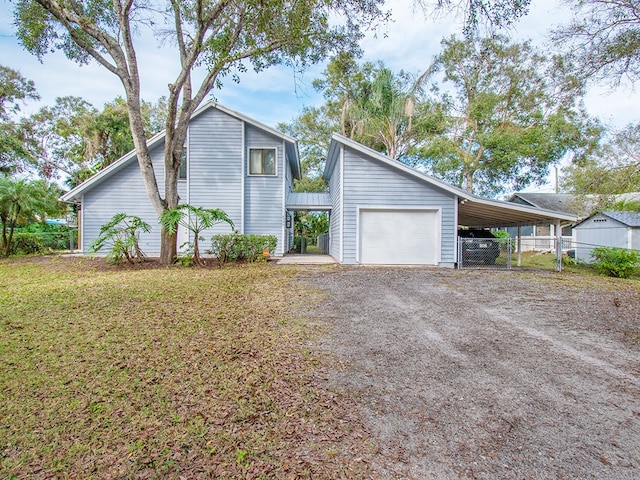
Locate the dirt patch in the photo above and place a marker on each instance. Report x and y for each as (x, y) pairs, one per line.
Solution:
(483, 374)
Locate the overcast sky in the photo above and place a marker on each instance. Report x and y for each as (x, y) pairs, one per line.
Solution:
(278, 94)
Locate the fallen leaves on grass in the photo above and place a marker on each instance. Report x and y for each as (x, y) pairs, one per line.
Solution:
(164, 372)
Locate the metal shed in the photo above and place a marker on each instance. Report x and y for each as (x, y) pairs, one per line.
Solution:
(607, 229)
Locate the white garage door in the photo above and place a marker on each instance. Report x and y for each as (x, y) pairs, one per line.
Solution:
(399, 237)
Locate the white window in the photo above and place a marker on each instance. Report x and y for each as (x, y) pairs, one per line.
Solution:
(182, 172)
(262, 161)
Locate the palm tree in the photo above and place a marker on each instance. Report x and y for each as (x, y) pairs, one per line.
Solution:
(388, 121)
(196, 220)
(22, 201)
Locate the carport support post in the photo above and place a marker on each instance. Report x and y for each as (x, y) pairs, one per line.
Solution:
(519, 246)
(558, 246)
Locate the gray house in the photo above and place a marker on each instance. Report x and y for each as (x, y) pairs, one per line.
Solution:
(608, 229)
(380, 210)
(232, 162)
(384, 212)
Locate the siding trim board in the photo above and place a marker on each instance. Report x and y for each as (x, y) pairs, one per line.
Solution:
(341, 204)
(82, 236)
(243, 174)
(284, 199)
(455, 230)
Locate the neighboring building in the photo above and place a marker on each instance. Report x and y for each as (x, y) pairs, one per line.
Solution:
(380, 210)
(557, 202)
(607, 229)
(232, 162)
(581, 206)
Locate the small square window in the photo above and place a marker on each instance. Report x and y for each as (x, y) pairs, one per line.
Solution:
(262, 161)
(182, 172)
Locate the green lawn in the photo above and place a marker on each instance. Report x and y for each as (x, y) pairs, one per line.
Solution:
(163, 372)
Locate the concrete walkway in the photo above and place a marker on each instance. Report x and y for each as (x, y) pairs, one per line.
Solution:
(293, 259)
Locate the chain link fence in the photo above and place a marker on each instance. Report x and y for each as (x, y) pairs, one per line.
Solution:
(485, 252)
(548, 253)
(507, 253)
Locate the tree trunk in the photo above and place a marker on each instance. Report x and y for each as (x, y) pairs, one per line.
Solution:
(168, 247)
(468, 181)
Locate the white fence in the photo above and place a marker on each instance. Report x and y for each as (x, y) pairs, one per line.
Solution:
(541, 243)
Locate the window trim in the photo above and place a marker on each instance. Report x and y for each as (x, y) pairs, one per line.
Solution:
(275, 174)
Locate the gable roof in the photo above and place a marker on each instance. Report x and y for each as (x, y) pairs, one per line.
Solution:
(629, 219)
(291, 151)
(473, 211)
(580, 205)
(559, 202)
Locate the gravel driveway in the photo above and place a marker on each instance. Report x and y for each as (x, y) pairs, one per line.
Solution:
(487, 374)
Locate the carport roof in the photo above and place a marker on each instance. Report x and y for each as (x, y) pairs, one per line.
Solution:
(484, 213)
(473, 211)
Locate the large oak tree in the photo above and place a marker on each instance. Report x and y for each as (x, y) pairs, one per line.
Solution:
(500, 115)
(224, 36)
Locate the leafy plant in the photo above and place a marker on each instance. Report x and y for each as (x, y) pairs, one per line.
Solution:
(185, 258)
(241, 457)
(234, 247)
(194, 219)
(568, 261)
(27, 244)
(122, 234)
(615, 262)
(55, 237)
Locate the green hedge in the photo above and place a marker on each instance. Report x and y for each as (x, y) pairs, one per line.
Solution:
(615, 262)
(234, 247)
(27, 244)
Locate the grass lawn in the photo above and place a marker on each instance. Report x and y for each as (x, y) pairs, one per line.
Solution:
(164, 373)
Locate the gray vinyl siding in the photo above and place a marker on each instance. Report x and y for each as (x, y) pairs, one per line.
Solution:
(217, 149)
(215, 167)
(263, 193)
(635, 238)
(335, 216)
(599, 231)
(124, 192)
(368, 182)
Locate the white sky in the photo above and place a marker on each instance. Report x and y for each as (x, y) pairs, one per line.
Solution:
(278, 94)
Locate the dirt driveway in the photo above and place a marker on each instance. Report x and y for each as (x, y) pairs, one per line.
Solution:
(484, 374)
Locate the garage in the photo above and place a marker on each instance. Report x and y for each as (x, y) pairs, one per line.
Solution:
(384, 212)
(399, 236)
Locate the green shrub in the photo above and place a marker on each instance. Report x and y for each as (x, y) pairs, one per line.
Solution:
(568, 261)
(234, 247)
(615, 262)
(121, 234)
(504, 240)
(27, 244)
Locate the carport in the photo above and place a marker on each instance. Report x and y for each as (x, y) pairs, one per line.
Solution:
(384, 212)
(476, 212)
